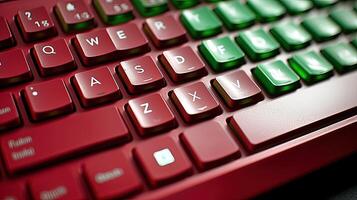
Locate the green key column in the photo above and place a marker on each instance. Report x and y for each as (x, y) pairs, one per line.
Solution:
(149, 8)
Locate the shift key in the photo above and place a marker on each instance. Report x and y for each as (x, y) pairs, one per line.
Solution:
(264, 125)
(65, 137)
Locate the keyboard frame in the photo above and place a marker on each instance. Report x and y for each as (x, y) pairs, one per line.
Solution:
(243, 178)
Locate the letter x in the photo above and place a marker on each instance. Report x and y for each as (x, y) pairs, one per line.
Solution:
(194, 96)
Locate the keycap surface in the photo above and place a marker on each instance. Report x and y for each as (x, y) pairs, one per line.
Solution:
(9, 116)
(115, 11)
(6, 37)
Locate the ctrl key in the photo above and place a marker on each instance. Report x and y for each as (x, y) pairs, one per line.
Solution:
(61, 183)
(9, 116)
(111, 175)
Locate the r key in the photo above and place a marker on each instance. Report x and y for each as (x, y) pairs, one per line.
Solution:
(36, 24)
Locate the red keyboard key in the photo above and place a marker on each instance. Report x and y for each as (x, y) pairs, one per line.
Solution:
(141, 74)
(183, 64)
(36, 24)
(96, 86)
(63, 183)
(165, 31)
(48, 99)
(150, 114)
(62, 138)
(237, 89)
(6, 37)
(74, 16)
(14, 68)
(111, 175)
(162, 161)
(128, 40)
(94, 47)
(53, 57)
(9, 116)
(13, 191)
(295, 114)
(210, 145)
(195, 102)
(114, 11)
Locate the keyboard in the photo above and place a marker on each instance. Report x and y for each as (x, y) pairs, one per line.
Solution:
(181, 99)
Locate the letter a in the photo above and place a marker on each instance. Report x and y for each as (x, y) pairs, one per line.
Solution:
(94, 81)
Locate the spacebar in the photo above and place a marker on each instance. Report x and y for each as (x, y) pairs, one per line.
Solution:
(301, 112)
(64, 137)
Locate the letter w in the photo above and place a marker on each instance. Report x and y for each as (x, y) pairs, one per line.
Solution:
(93, 41)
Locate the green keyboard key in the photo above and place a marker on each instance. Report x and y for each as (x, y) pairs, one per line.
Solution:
(276, 77)
(258, 44)
(311, 66)
(324, 3)
(295, 7)
(291, 36)
(182, 4)
(201, 22)
(354, 41)
(345, 18)
(235, 15)
(321, 28)
(343, 56)
(148, 8)
(222, 53)
(267, 10)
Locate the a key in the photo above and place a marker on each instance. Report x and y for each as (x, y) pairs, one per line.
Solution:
(95, 47)
(291, 36)
(61, 183)
(235, 15)
(128, 40)
(6, 37)
(222, 53)
(162, 161)
(53, 57)
(150, 114)
(324, 3)
(258, 44)
(13, 191)
(321, 28)
(114, 11)
(354, 41)
(74, 16)
(47, 99)
(165, 31)
(14, 68)
(237, 89)
(149, 8)
(35, 24)
(297, 7)
(140, 75)
(195, 103)
(182, 4)
(201, 22)
(183, 64)
(96, 86)
(111, 175)
(343, 56)
(276, 77)
(216, 148)
(311, 66)
(345, 18)
(62, 138)
(322, 105)
(267, 10)
(9, 116)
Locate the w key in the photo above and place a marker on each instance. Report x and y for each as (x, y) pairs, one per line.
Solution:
(195, 102)
(36, 24)
(47, 99)
(94, 47)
